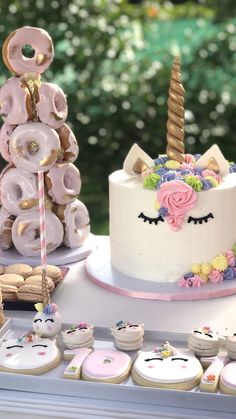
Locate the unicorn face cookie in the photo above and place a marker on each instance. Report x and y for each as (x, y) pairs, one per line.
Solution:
(29, 354)
(47, 322)
(204, 341)
(167, 368)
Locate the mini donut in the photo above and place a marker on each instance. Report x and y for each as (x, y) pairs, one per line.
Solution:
(26, 233)
(34, 146)
(107, 366)
(39, 40)
(69, 145)
(15, 103)
(52, 106)
(63, 183)
(75, 218)
(21, 269)
(19, 191)
(5, 132)
(6, 221)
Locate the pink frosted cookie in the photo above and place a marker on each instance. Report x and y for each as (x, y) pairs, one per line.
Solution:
(29, 354)
(228, 379)
(63, 183)
(204, 341)
(128, 336)
(15, 104)
(51, 107)
(166, 367)
(210, 379)
(107, 366)
(39, 40)
(78, 336)
(78, 355)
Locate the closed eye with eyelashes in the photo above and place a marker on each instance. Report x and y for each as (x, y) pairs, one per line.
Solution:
(200, 220)
(151, 220)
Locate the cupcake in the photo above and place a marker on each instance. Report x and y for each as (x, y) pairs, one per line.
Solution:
(204, 341)
(78, 336)
(128, 336)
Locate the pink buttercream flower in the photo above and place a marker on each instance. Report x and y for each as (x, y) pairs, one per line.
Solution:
(183, 283)
(178, 197)
(208, 172)
(147, 172)
(215, 276)
(189, 158)
(197, 281)
(230, 257)
(187, 166)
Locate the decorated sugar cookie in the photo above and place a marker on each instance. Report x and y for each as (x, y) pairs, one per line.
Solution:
(78, 336)
(166, 367)
(210, 379)
(47, 322)
(128, 336)
(29, 354)
(78, 356)
(231, 346)
(228, 379)
(204, 341)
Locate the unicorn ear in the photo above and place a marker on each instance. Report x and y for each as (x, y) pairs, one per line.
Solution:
(213, 159)
(136, 161)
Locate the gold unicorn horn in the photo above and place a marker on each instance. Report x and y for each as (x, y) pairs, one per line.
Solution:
(175, 123)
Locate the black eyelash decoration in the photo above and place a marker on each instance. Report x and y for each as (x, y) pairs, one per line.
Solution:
(153, 359)
(49, 320)
(208, 334)
(38, 320)
(197, 331)
(200, 220)
(179, 359)
(14, 346)
(150, 220)
(42, 346)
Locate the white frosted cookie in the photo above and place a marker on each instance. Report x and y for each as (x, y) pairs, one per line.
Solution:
(78, 336)
(166, 367)
(19, 269)
(231, 346)
(228, 379)
(47, 322)
(204, 341)
(210, 379)
(29, 354)
(107, 366)
(128, 336)
(77, 357)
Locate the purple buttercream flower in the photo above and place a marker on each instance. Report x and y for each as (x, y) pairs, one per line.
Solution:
(185, 172)
(197, 156)
(163, 212)
(229, 273)
(188, 275)
(198, 170)
(160, 160)
(166, 177)
(232, 168)
(206, 184)
(161, 171)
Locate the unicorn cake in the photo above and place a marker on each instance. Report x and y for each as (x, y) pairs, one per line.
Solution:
(173, 219)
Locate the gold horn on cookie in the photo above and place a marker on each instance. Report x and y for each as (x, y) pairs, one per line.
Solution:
(175, 122)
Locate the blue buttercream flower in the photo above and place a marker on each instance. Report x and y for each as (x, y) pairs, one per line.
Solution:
(229, 273)
(163, 212)
(197, 156)
(160, 160)
(198, 170)
(167, 177)
(185, 172)
(232, 168)
(188, 275)
(206, 184)
(161, 171)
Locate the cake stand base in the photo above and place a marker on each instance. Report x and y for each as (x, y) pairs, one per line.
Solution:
(101, 272)
(60, 256)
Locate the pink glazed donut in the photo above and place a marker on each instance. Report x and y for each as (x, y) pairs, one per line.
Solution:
(75, 218)
(5, 133)
(19, 191)
(34, 146)
(6, 221)
(63, 183)
(52, 106)
(15, 103)
(69, 145)
(39, 40)
(26, 233)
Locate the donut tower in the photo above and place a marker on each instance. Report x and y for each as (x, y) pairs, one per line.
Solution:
(34, 137)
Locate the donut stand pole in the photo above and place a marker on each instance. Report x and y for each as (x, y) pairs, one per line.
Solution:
(43, 248)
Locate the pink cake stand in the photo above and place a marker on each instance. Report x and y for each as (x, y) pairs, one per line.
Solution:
(61, 256)
(101, 272)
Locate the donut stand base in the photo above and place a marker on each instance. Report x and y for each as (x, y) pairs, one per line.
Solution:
(60, 256)
(100, 271)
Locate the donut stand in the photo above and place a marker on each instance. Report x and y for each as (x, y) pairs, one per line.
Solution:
(35, 138)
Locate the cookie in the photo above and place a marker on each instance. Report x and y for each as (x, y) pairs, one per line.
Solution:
(77, 357)
(29, 354)
(52, 271)
(37, 280)
(19, 269)
(11, 279)
(128, 336)
(204, 341)
(78, 336)
(9, 292)
(166, 367)
(107, 366)
(47, 322)
(210, 379)
(231, 346)
(30, 292)
(228, 379)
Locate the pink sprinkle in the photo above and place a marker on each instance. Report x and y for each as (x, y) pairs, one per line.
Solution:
(41, 353)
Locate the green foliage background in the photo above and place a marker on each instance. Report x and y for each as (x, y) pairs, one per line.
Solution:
(113, 61)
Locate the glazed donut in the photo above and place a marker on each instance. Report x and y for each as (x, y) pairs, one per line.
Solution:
(69, 145)
(52, 106)
(39, 40)
(5, 132)
(63, 183)
(75, 219)
(19, 191)
(6, 221)
(15, 103)
(34, 146)
(26, 233)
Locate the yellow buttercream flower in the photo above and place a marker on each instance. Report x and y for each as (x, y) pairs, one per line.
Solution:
(203, 276)
(220, 262)
(172, 164)
(196, 268)
(206, 268)
(157, 205)
(213, 181)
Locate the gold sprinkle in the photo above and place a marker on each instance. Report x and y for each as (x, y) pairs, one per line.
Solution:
(28, 203)
(41, 59)
(55, 116)
(46, 161)
(73, 210)
(33, 147)
(21, 228)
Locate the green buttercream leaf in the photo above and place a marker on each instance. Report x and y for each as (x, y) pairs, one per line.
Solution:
(194, 182)
(151, 181)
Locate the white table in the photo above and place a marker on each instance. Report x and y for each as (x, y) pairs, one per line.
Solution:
(78, 300)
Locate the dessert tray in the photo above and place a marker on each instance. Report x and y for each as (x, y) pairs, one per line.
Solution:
(100, 271)
(60, 256)
(52, 382)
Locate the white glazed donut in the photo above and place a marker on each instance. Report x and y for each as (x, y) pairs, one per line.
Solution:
(5, 132)
(15, 104)
(34, 146)
(69, 145)
(63, 183)
(26, 233)
(75, 218)
(39, 40)
(52, 106)
(19, 191)
(6, 221)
